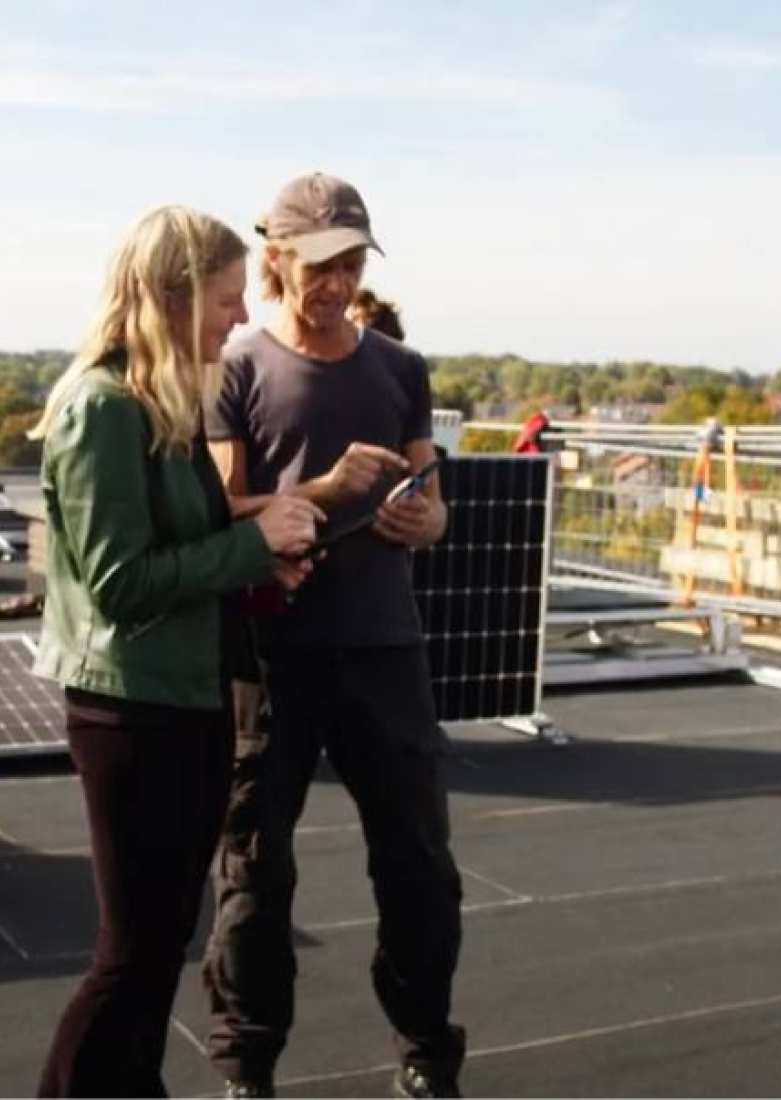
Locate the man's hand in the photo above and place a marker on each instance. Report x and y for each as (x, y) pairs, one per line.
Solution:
(417, 520)
(354, 474)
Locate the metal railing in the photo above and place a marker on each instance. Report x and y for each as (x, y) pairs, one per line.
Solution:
(691, 510)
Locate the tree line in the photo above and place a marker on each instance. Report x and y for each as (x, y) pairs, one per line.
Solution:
(685, 393)
(681, 394)
(25, 379)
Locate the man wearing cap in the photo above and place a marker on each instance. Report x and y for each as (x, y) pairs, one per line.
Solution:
(315, 405)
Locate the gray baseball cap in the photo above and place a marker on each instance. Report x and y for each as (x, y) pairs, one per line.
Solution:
(318, 217)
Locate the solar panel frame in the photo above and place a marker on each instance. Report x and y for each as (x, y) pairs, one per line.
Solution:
(31, 709)
(486, 640)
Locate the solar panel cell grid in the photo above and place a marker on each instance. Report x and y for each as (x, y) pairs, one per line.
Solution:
(31, 712)
(481, 599)
(480, 589)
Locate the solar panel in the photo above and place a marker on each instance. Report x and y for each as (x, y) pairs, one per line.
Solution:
(481, 589)
(31, 710)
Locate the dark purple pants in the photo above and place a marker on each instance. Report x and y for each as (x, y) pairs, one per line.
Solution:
(156, 782)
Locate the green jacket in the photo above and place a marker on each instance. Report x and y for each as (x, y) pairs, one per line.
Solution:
(134, 570)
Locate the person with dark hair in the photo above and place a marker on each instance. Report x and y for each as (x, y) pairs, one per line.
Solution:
(372, 312)
(316, 406)
(141, 551)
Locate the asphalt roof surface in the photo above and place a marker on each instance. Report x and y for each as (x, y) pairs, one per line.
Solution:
(621, 929)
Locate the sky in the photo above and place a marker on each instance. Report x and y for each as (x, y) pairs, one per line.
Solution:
(558, 179)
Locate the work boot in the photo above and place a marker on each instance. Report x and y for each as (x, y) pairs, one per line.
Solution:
(412, 1080)
(238, 1090)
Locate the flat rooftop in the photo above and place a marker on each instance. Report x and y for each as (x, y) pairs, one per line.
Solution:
(621, 935)
(621, 931)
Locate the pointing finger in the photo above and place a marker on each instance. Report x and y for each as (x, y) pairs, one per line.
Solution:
(387, 458)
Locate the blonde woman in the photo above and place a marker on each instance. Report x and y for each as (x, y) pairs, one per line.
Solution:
(141, 553)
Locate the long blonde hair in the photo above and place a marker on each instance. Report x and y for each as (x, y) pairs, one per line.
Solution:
(160, 268)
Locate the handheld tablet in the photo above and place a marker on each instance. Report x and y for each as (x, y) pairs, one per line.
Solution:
(335, 534)
(412, 484)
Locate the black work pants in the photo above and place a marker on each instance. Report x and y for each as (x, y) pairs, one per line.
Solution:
(156, 781)
(372, 712)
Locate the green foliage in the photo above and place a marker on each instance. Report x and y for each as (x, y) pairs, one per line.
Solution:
(449, 392)
(742, 405)
(25, 380)
(689, 393)
(15, 448)
(730, 404)
(487, 441)
(13, 401)
(31, 374)
(693, 405)
(593, 526)
(522, 386)
(638, 536)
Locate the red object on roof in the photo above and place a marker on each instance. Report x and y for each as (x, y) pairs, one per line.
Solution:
(528, 439)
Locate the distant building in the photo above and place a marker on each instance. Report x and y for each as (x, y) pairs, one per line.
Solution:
(555, 411)
(490, 410)
(626, 412)
(637, 481)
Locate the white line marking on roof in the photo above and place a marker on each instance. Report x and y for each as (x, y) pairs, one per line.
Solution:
(493, 884)
(8, 939)
(184, 1030)
(564, 1037)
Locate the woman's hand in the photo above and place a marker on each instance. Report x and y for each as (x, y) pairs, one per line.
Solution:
(290, 574)
(288, 525)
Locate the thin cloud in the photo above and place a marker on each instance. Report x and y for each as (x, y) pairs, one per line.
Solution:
(587, 39)
(736, 56)
(151, 83)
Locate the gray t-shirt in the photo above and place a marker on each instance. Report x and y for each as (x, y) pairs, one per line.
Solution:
(296, 416)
